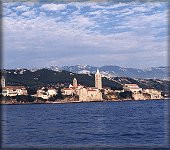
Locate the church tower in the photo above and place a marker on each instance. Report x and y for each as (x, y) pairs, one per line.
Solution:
(2, 81)
(98, 80)
(74, 82)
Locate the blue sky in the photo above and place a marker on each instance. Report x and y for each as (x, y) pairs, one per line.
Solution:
(132, 34)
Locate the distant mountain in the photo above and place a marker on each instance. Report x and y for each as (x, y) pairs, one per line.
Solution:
(116, 71)
(110, 71)
(50, 77)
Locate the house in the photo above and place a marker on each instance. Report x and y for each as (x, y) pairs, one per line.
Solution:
(51, 92)
(14, 90)
(155, 94)
(42, 93)
(46, 93)
(134, 88)
(67, 91)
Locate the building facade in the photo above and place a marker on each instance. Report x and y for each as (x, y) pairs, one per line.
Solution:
(89, 94)
(14, 90)
(154, 94)
(132, 87)
(46, 93)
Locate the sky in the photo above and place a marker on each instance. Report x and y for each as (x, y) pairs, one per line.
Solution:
(132, 34)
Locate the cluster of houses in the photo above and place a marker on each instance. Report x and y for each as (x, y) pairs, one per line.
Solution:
(139, 93)
(83, 93)
(86, 93)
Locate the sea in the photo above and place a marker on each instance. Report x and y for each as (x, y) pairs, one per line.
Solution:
(84, 125)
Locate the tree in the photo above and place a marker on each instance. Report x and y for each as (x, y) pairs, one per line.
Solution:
(31, 91)
(59, 94)
(30, 98)
(126, 94)
(25, 98)
(21, 98)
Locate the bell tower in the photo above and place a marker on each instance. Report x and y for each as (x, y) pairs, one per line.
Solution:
(74, 82)
(2, 81)
(98, 80)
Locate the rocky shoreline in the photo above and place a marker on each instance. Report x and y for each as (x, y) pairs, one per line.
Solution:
(64, 102)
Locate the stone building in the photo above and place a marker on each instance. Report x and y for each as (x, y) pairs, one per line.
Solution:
(86, 93)
(89, 94)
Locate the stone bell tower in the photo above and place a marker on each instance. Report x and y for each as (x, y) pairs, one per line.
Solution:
(98, 80)
(2, 81)
(74, 82)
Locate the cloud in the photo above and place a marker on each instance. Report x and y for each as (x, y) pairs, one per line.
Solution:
(28, 14)
(22, 8)
(89, 33)
(53, 7)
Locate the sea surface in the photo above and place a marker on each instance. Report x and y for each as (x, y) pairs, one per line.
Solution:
(94, 124)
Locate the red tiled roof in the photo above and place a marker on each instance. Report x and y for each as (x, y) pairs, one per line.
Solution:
(67, 89)
(51, 89)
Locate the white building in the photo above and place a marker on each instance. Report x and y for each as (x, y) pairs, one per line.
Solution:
(132, 87)
(46, 93)
(14, 90)
(51, 92)
(98, 80)
(155, 94)
(42, 93)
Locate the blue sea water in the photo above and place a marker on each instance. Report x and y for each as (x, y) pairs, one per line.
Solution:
(95, 124)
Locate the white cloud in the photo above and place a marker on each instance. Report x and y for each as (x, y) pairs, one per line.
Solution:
(53, 7)
(52, 38)
(28, 14)
(22, 8)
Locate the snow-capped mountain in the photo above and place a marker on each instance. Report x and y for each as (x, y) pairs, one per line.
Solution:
(106, 71)
(113, 71)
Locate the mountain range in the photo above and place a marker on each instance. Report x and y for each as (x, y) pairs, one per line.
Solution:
(115, 71)
(55, 77)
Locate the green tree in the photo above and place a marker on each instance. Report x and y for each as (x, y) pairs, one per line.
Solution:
(126, 94)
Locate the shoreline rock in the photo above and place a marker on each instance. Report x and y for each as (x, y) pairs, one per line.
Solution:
(64, 101)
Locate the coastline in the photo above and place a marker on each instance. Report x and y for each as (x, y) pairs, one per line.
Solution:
(66, 102)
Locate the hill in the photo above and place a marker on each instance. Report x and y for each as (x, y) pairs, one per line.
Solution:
(46, 77)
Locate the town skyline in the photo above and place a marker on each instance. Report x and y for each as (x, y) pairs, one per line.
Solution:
(94, 33)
